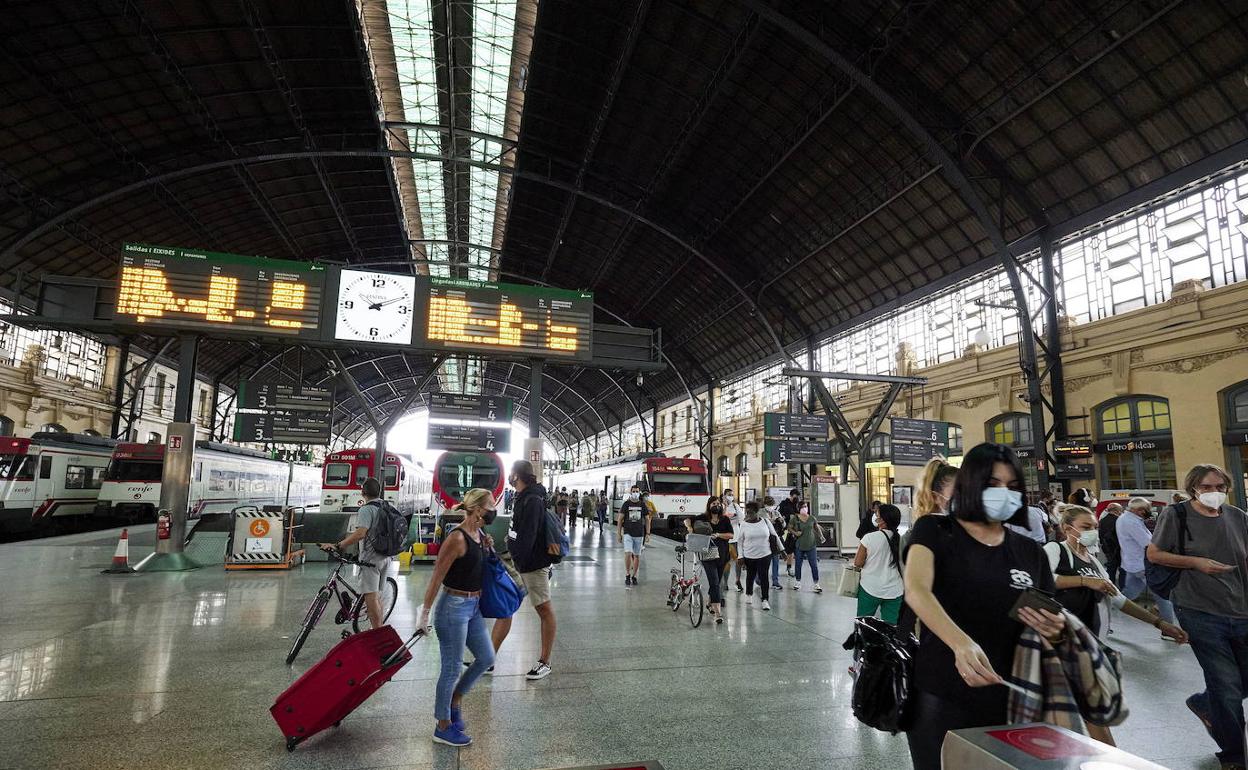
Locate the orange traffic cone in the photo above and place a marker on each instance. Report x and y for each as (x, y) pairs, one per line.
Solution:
(121, 557)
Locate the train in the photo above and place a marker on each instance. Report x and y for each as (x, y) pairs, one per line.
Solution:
(677, 485)
(222, 477)
(49, 478)
(408, 485)
(454, 473)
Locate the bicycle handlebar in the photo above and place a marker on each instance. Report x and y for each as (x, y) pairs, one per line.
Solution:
(338, 555)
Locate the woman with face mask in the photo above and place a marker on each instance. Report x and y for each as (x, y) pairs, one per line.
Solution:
(735, 516)
(458, 573)
(773, 515)
(1084, 588)
(880, 587)
(754, 542)
(807, 534)
(963, 575)
(715, 524)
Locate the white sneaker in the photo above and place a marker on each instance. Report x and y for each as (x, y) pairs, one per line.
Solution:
(749, 601)
(766, 606)
(818, 588)
(540, 671)
(797, 586)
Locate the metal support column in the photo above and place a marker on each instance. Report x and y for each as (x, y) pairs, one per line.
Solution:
(533, 444)
(175, 480)
(1053, 350)
(711, 468)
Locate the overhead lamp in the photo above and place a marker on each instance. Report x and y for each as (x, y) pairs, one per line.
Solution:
(982, 338)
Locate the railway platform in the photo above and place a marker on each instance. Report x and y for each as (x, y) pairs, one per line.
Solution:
(178, 670)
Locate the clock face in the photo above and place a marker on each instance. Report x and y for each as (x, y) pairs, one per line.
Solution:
(375, 307)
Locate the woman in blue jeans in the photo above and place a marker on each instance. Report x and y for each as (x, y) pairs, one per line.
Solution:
(458, 572)
(807, 532)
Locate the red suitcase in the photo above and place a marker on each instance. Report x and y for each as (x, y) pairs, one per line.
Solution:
(339, 683)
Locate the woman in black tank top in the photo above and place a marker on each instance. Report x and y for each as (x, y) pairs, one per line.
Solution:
(456, 585)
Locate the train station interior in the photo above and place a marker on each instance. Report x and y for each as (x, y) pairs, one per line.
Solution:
(754, 383)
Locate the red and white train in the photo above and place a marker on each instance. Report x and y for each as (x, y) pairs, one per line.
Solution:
(677, 486)
(408, 486)
(50, 477)
(222, 477)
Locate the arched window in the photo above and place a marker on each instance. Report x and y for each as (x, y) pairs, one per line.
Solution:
(955, 440)
(880, 448)
(1135, 450)
(722, 465)
(52, 427)
(1236, 418)
(1133, 416)
(1013, 429)
(6, 426)
(90, 432)
(743, 464)
(153, 438)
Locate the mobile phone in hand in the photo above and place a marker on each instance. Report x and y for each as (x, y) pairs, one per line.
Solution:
(1035, 599)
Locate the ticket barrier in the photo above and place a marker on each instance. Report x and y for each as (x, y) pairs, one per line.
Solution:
(1033, 747)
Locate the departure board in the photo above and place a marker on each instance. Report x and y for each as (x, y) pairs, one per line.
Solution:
(187, 288)
(460, 314)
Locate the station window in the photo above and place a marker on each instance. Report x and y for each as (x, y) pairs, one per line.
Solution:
(1236, 410)
(52, 427)
(722, 466)
(1013, 430)
(879, 455)
(954, 447)
(688, 422)
(1136, 417)
(6, 426)
(743, 464)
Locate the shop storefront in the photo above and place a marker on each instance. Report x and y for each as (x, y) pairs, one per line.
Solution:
(1135, 449)
(1235, 439)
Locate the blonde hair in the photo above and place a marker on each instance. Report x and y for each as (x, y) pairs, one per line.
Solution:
(935, 473)
(475, 498)
(1071, 512)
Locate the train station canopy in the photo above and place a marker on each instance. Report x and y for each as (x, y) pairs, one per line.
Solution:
(744, 175)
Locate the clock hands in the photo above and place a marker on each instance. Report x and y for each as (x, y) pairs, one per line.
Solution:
(379, 305)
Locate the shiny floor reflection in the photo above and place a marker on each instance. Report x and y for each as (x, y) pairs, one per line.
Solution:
(179, 670)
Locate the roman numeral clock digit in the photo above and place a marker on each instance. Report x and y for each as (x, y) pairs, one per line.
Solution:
(375, 307)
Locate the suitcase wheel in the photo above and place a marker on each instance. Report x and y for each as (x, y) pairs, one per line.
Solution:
(291, 743)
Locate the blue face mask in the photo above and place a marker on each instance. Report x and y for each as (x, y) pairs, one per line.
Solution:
(1001, 503)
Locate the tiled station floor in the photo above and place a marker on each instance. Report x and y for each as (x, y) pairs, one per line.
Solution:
(178, 670)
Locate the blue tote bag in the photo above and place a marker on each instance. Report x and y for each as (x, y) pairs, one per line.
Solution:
(500, 596)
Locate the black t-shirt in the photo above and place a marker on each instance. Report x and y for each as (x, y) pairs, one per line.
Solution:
(633, 518)
(1082, 602)
(1108, 527)
(722, 527)
(788, 509)
(977, 585)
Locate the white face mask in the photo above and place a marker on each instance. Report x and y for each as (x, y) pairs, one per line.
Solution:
(1001, 503)
(1212, 499)
(634, 496)
(1090, 538)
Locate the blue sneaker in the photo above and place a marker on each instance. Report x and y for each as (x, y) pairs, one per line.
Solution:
(457, 720)
(451, 737)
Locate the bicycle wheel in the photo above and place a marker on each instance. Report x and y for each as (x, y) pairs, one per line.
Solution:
(681, 593)
(309, 622)
(389, 592)
(696, 606)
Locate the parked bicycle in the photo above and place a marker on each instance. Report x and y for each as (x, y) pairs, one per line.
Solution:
(350, 602)
(686, 581)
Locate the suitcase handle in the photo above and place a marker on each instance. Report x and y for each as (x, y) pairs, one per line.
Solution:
(395, 656)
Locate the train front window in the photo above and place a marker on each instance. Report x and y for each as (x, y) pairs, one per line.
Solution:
(677, 484)
(362, 472)
(133, 470)
(337, 474)
(17, 467)
(392, 475)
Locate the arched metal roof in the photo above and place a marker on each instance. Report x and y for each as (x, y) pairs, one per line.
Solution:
(687, 160)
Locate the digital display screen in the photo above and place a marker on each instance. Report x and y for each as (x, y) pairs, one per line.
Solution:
(460, 314)
(188, 288)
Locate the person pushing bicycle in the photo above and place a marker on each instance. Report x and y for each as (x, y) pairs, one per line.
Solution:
(372, 564)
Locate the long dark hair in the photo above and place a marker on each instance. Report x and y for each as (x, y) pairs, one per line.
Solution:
(973, 478)
(891, 516)
(751, 512)
(712, 500)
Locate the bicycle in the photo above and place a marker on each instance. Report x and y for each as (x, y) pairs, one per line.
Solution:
(685, 586)
(350, 602)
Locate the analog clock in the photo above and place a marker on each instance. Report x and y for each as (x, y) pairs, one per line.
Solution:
(375, 307)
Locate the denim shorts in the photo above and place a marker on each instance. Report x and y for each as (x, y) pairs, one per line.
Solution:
(633, 544)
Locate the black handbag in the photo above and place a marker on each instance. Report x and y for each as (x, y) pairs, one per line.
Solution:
(885, 683)
(1162, 580)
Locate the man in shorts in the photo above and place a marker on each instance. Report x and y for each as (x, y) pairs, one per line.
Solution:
(370, 577)
(633, 530)
(531, 555)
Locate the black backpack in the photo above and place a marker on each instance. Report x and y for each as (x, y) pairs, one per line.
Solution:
(388, 535)
(1162, 580)
(885, 681)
